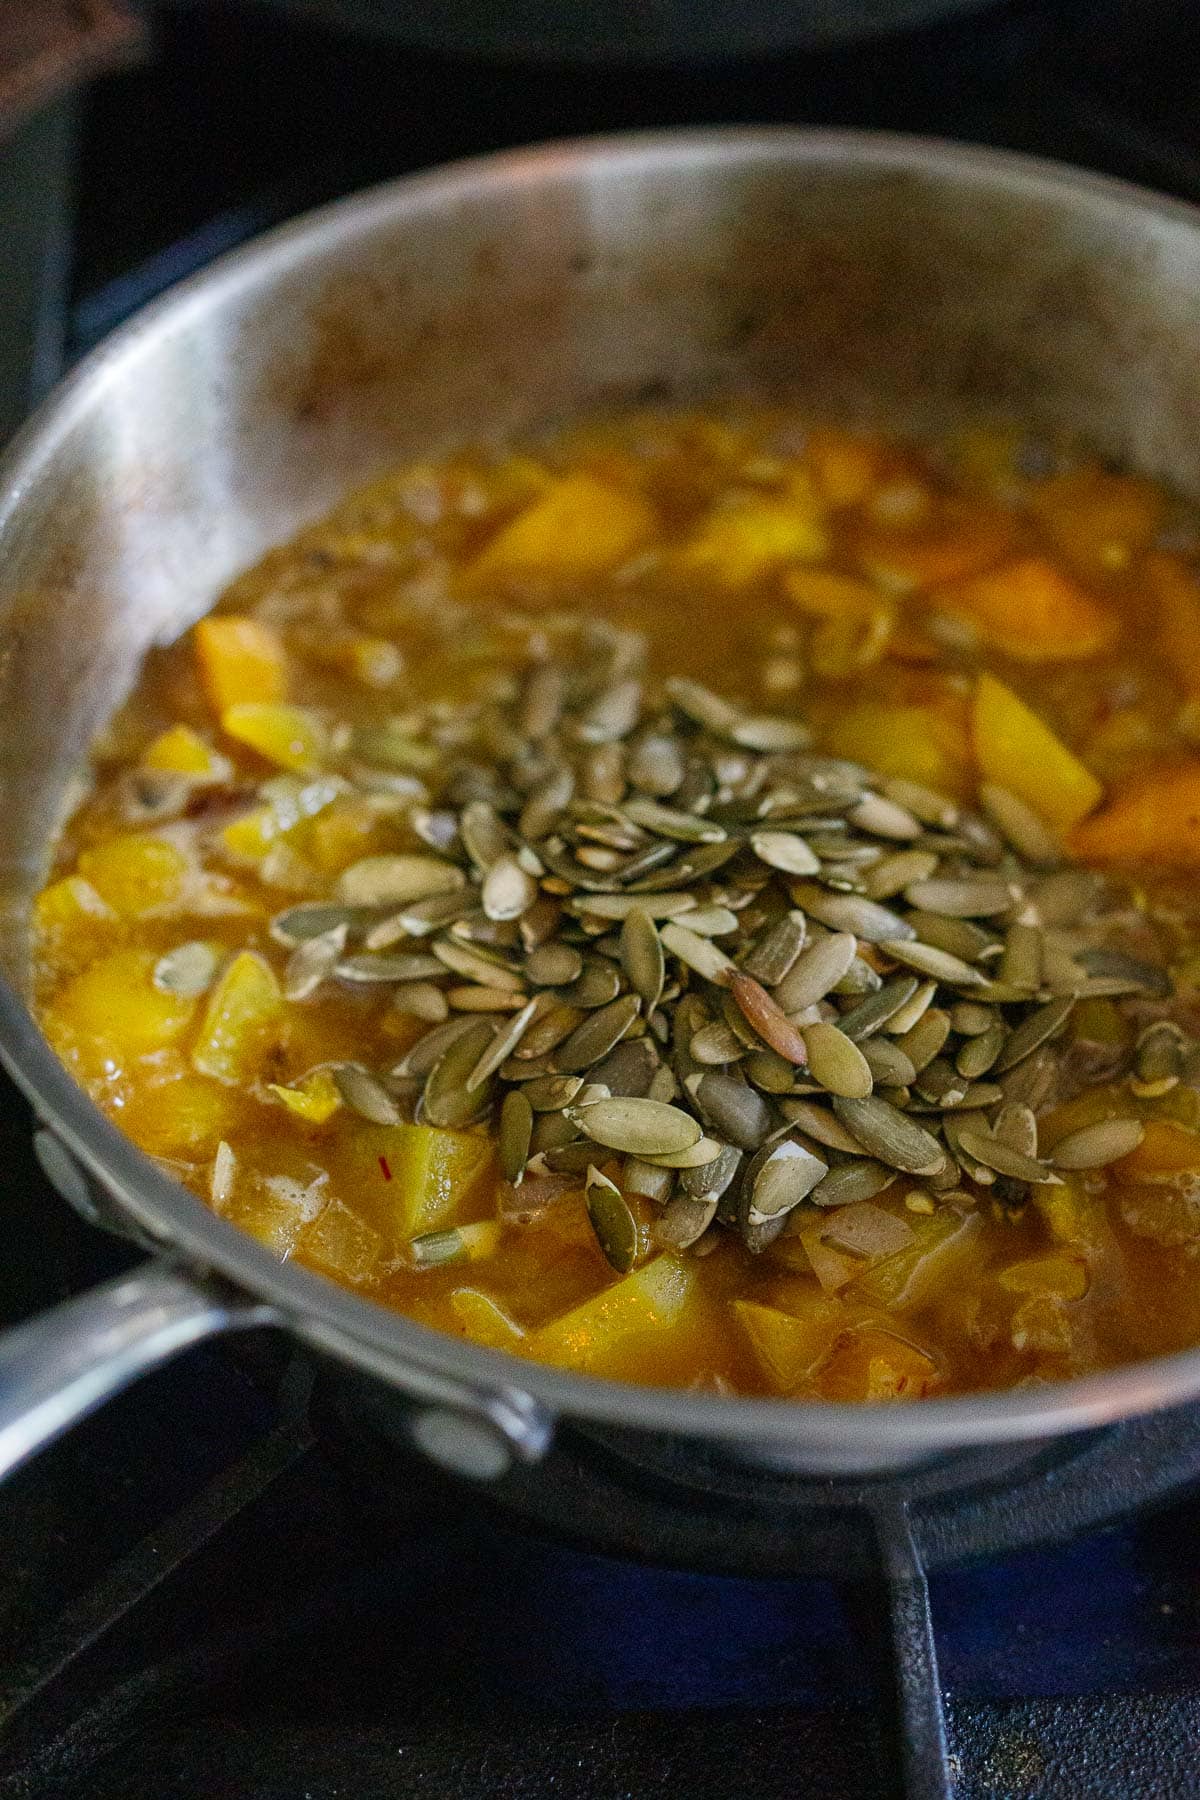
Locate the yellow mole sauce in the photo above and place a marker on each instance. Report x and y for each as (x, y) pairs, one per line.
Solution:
(1005, 627)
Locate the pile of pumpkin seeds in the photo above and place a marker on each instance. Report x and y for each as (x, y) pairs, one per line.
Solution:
(647, 928)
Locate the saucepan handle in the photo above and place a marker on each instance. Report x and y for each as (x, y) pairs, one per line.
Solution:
(65, 1363)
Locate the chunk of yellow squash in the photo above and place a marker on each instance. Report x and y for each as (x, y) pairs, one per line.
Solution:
(926, 744)
(112, 1009)
(313, 1100)
(872, 1364)
(289, 736)
(1154, 817)
(739, 543)
(788, 1345)
(579, 527)
(69, 904)
(182, 751)
(1030, 610)
(410, 1179)
(640, 1305)
(483, 1321)
(135, 873)
(1017, 750)
(340, 1244)
(240, 661)
(240, 1021)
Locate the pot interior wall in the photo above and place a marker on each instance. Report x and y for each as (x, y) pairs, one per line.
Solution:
(863, 276)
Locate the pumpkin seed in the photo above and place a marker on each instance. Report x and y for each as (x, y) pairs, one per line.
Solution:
(957, 937)
(938, 964)
(873, 923)
(769, 1071)
(699, 953)
(642, 957)
(994, 1154)
(969, 1019)
(913, 1010)
(1021, 963)
(773, 953)
(426, 1051)
(924, 803)
(1095, 1146)
(1035, 1029)
(221, 1179)
(1016, 1126)
(879, 1008)
(784, 850)
(1025, 831)
(541, 701)
(981, 898)
(638, 1177)
(836, 1061)
(815, 972)
(191, 968)
(546, 805)
(550, 1093)
(365, 971)
(1158, 1059)
(637, 1127)
(716, 1043)
(696, 1156)
(365, 1095)
(777, 1180)
(683, 1222)
(884, 1131)
(619, 906)
(884, 818)
(612, 1219)
(502, 1045)
(507, 890)
(474, 998)
(446, 1100)
(730, 1108)
(419, 1000)
(711, 1180)
(612, 714)
(771, 735)
(515, 1132)
(629, 1070)
(553, 965)
(598, 983)
(474, 964)
(818, 1123)
(300, 923)
(596, 1035)
(483, 835)
(902, 869)
(978, 1054)
(852, 1182)
(703, 707)
(764, 1015)
(397, 880)
(887, 1063)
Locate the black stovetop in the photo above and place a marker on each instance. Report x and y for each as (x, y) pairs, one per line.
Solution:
(195, 1599)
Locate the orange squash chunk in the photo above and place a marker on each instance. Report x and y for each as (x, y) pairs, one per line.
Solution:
(845, 467)
(240, 661)
(579, 527)
(1017, 750)
(1153, 818)
(1177, 592)
(1030, 610)
(872, 1364)
(962, 537)
(1166, 1149)
(1098, 519)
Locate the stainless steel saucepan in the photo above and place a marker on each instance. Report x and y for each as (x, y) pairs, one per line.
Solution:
(918, 280)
